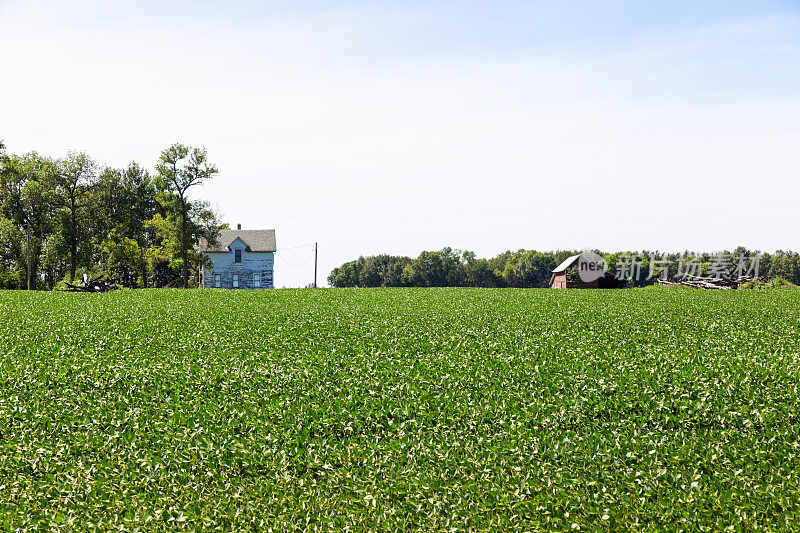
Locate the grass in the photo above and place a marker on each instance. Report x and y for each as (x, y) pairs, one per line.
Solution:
(400, 409)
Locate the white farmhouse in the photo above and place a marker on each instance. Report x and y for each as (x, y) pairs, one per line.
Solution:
(241, 259)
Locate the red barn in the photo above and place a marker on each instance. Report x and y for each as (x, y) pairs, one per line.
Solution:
(586, 275)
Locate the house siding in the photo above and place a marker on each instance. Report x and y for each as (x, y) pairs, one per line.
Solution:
(226, 267)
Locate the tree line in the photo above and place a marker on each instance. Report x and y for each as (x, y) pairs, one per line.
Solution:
(64, 217)
(530, 268)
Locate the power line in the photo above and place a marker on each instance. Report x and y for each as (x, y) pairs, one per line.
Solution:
(294, 247)
(306, 260)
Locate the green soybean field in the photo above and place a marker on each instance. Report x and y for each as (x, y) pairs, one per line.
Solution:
(400, 410)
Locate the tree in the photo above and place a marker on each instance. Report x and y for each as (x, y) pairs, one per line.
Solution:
(436, 269)
(166, 257)
(125, 201)
(122, 256)
(534, 269)
(346, 275)
(177, 175)
(75, 176)
(479, 272)
(785, 265)
(11, 239)
(27, 200)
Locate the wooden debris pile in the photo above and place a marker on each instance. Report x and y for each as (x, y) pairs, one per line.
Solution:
(99, 284)
(700, 282)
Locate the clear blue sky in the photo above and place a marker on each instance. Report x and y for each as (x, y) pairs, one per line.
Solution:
(400, 126)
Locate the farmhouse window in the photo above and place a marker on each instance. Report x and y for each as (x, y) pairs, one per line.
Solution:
(236, 281)
(257, 279)
(218, 280)
(237, 256)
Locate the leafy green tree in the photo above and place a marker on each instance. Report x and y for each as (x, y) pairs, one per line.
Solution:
(167, 257)
(346, 275)
(180, 168)
(11, 239)
(785, 265)
(53, 257)
(126, 201)
(534, 269)
(370, 274)
(392, 271)
(382, 271)
(28, 201)
(436, 269)
(374, 271)
(479, 272)
(73, 181)
(123, 256)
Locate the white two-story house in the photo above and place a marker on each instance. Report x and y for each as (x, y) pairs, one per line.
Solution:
(242, 259)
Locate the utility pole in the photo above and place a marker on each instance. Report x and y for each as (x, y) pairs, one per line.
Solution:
(316, 247)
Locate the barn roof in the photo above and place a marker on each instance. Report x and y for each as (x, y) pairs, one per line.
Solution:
(569, 261)
(566, 263)
(258, 240)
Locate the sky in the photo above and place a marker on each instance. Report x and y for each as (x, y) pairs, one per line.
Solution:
(395, 127)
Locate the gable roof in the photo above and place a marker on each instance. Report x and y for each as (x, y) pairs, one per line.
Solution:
(258, 240)
(566, 263)
(571, 260)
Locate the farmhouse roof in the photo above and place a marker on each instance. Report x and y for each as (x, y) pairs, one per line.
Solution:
(258, 240)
